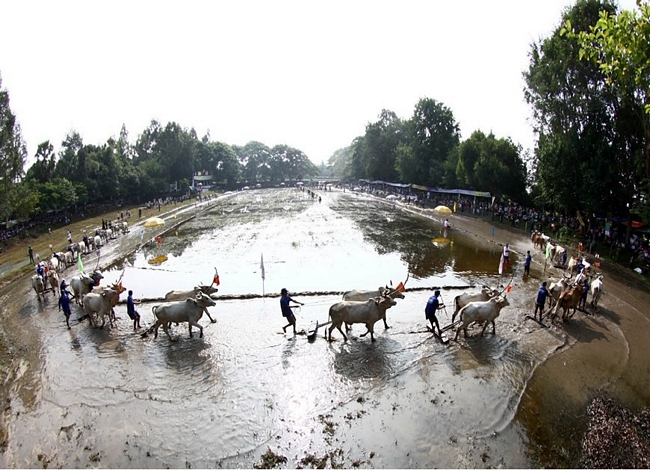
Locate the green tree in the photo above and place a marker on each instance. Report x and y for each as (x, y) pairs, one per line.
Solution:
(381, 141)
(432, 134)
(339, 164)
(12, 158)
(486, 163)
(254, 158)
(575, 162)
(619, 45)
(43, 168)
(220, 160)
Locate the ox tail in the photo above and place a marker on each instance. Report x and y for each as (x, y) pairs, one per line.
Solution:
(453, 316)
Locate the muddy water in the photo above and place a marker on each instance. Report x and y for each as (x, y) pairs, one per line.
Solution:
(111, 398)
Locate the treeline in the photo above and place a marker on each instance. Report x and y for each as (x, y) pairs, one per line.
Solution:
(162, 159)
(426, 150)
(589, 92)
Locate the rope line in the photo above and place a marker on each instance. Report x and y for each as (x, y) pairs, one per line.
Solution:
(302, 294)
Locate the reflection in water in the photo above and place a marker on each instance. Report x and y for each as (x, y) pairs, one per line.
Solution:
(358, 359)
(418, 240)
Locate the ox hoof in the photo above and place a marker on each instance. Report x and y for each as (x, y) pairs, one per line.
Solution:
(213, 321)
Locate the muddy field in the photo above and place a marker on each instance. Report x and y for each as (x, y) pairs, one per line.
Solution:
(111, 398)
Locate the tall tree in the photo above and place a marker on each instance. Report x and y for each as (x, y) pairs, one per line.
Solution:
(619, 45)
(43, 168)
(254, 157)
(486, 163)
(12, 158)
(432, 134)
(382, 139)
(573, 115)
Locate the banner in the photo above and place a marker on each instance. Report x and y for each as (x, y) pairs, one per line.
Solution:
(262, 266)
(548, 250)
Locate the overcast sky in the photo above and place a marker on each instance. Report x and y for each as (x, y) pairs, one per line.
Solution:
(307, 74)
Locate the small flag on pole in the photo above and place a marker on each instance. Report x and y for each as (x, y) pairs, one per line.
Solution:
(548, 250)
(509, 288)
(80, 265)
(262, 266)
(216, 279)
(501, 265)
(400, 287)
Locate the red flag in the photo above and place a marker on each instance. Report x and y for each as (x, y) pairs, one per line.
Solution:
(400, 287)
(509, 288)
(216, 279)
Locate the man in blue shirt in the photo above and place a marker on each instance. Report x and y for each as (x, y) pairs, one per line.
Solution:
(542, 293)
(64, 303)
(430, 311)
(130, 310)
(40, 270)
(527, 263)
(286, 310)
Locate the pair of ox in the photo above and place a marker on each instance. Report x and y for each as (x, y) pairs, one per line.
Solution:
(40, 284)
(101, 302)
(570, 294)
(363, 306)
(481, 307)
(481, 312)
(82, 284)
(190, 311)
(540, 240)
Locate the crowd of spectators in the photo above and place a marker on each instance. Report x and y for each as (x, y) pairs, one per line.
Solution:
(589, 234)
(52, 219)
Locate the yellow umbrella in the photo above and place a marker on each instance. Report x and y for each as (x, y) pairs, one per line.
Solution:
(440, 242)
(442, 210)
(154, 222)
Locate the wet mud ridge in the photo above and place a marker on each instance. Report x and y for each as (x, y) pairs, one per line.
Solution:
(305, 294)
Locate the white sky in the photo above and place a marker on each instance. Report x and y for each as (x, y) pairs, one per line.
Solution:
(307, 74)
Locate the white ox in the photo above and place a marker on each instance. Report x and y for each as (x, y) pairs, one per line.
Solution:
(116, 287)
(368, 313)
(82, 284)
(101, 304)
(556, 253)
(68, 257)
(556, 289)
(97, 241)
(485, 312)
(596, 291)
(57, 264)
(572, 265)
(39, 286)
(189, 311)
(465, 298)
(54, 281)
(363, 295)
